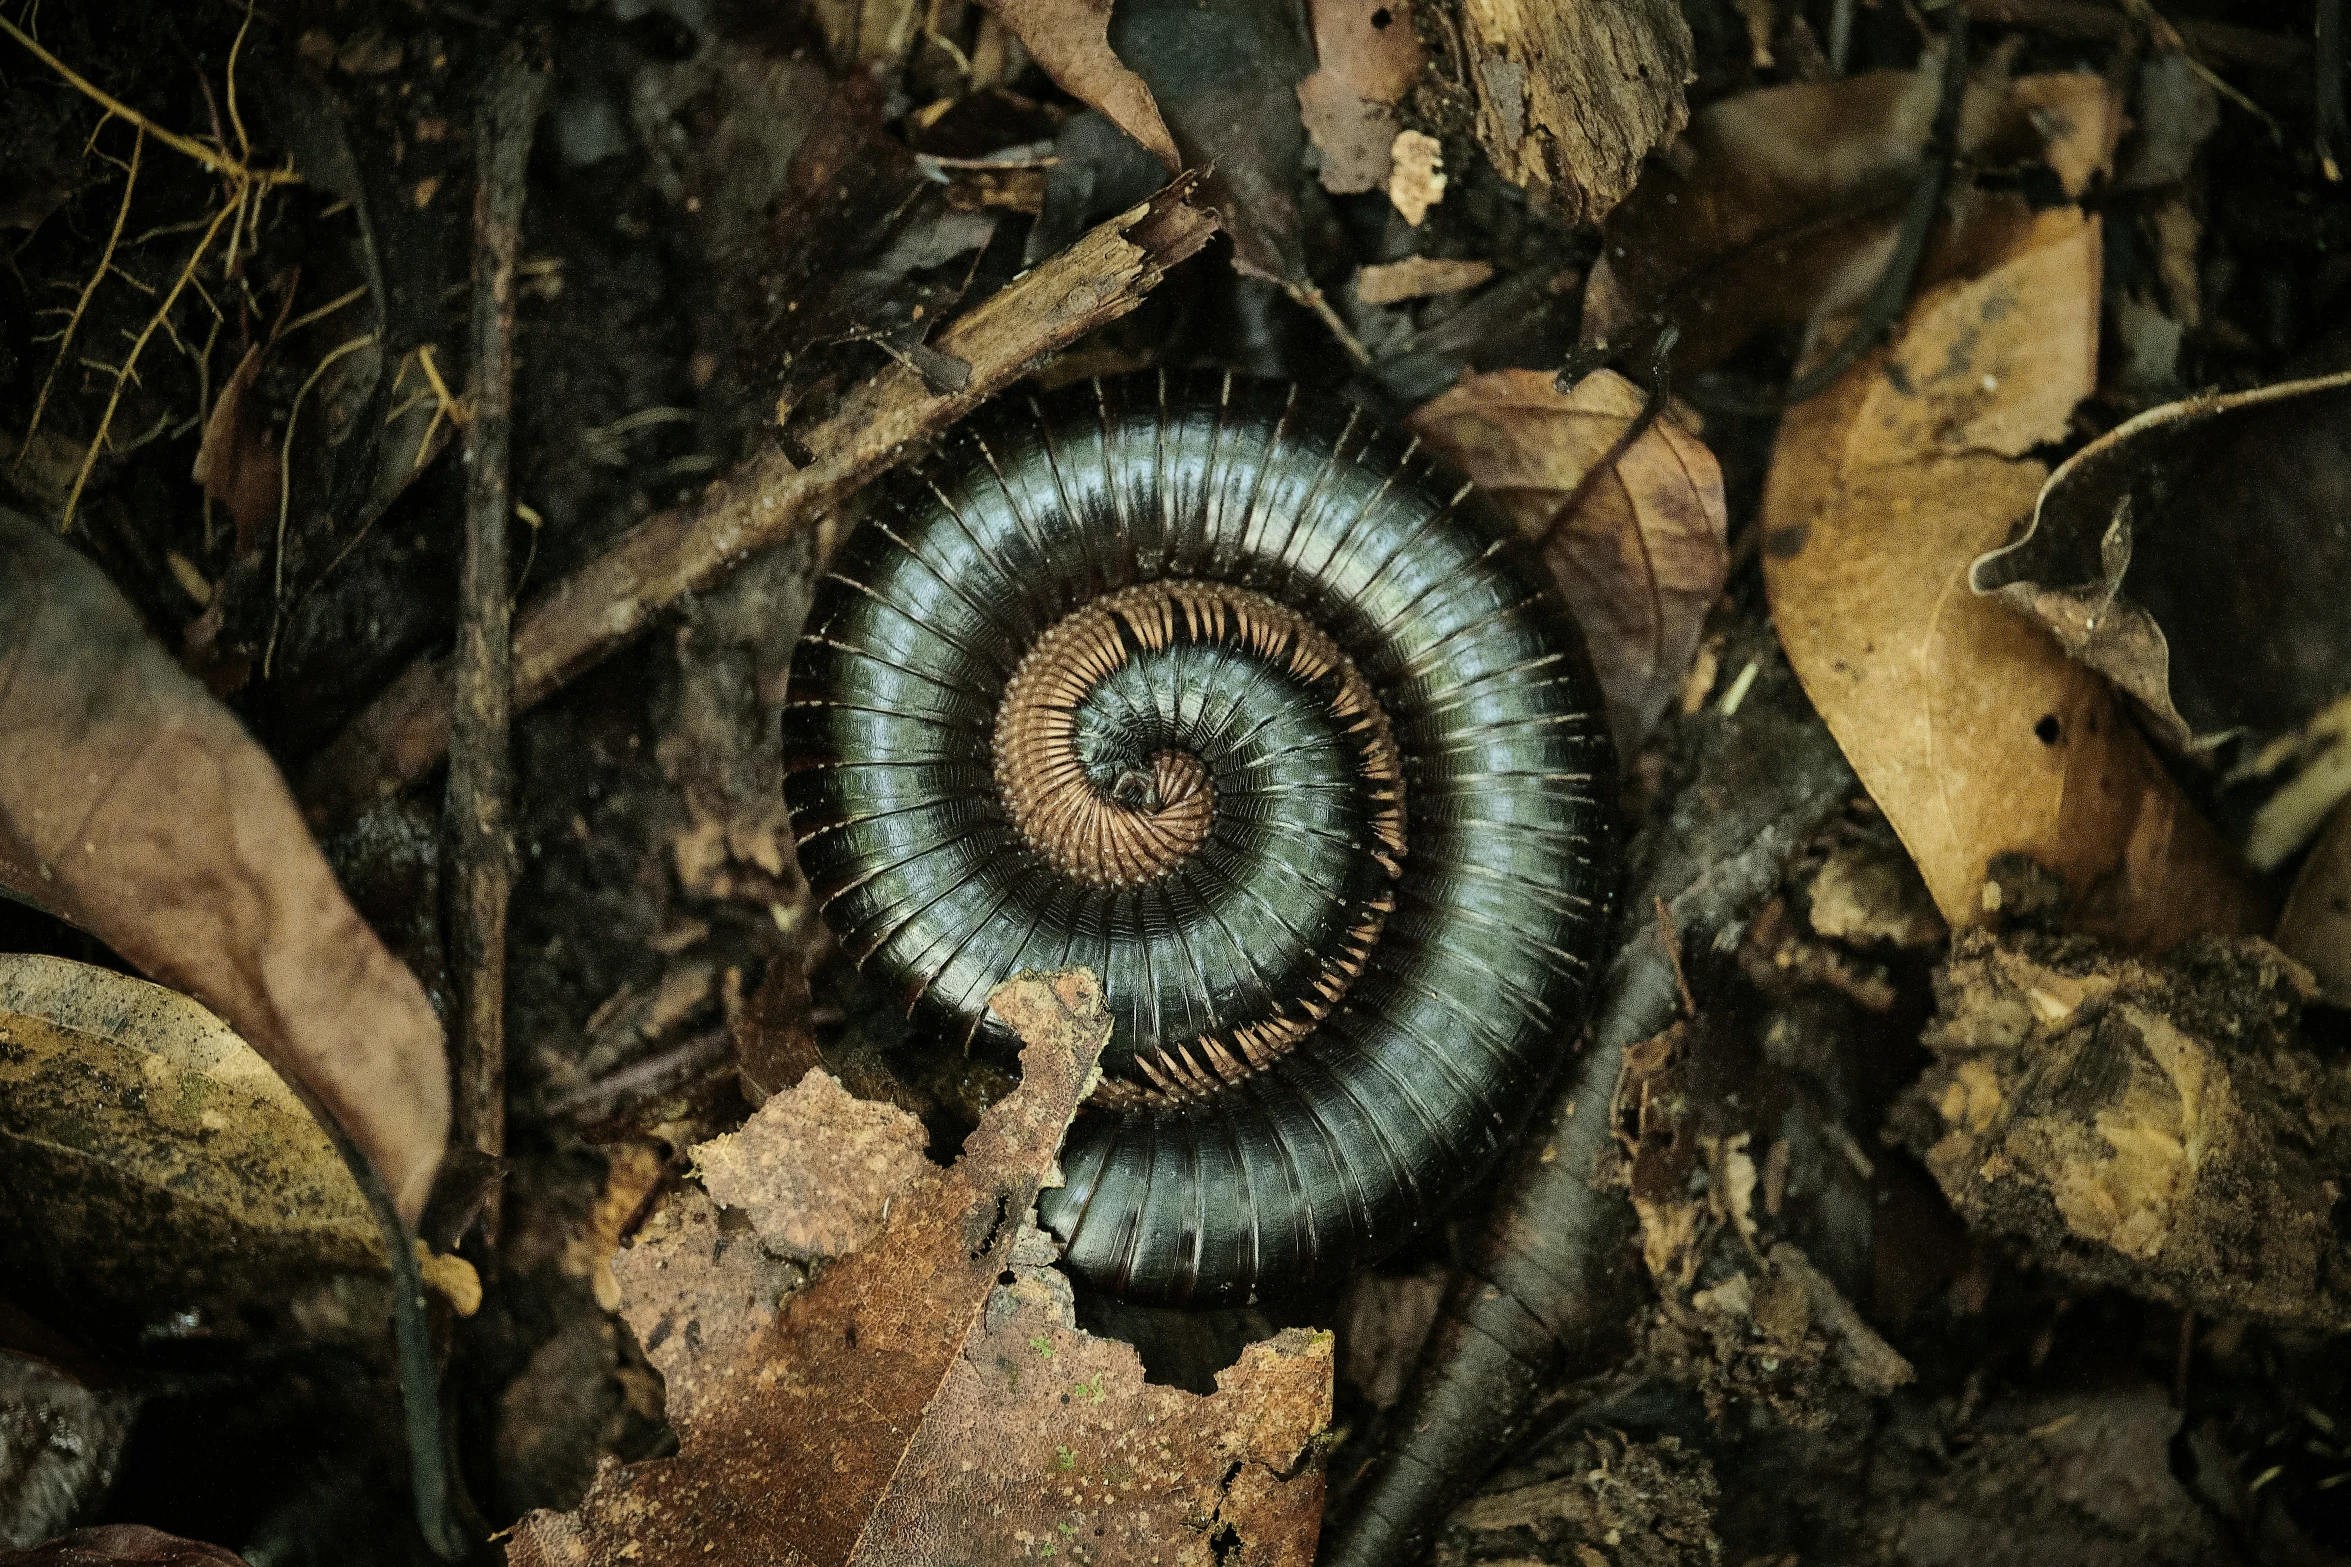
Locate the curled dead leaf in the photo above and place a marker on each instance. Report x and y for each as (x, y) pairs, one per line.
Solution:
(1642, 553)
(2195, 556)
(1971, 730)
(1071, 40)
(1779, 207)
(137, 807)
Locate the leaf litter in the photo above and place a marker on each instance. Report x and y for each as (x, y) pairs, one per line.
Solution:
(927, 1393)
(1447, 196)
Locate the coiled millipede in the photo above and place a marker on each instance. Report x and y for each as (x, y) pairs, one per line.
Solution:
(1238, 700)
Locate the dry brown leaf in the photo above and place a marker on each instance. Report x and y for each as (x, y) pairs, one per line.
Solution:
(1971, 730)
(121, 1545)
(155, 1157)
(1572, 94)
(1415, 277)
(1779, 206)
(1643, 555)
(235, 463)
(1370, 56)
(136, 806)
(1045, 1435)
(1071, 40)
(2195, 556)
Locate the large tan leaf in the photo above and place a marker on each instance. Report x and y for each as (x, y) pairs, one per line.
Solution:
(1969, 726)
(136, 806)
(1642, 554)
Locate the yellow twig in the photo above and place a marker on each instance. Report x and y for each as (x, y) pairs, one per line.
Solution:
(105, 262)
(445, 406)
(244, 142)
(218, 162)
(130, 366)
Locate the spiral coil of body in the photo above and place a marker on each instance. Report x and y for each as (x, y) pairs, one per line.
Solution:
(1240, 702)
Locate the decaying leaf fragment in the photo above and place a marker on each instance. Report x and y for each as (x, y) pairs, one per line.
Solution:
(1971, 730)
(910, 1405)
(136, 806)
(2314, 928)
(1641, 551)
(2155, 1127)
(1572, 94)
(121, 1545)
(156, 1157)
(1071, 40)
(2196, 557)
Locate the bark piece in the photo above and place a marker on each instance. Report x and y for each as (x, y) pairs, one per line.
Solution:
(2153, 1127)
(611, 600)
(1974, 734)
(137, 806)
(1572, 94)
(1639, 552)
(1416, 277)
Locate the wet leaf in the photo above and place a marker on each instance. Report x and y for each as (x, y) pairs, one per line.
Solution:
(2196, 557)
(1570, 98)
(1071, 40)
(1779, 207)
(136, 806)
(157, 1158)
(1971, 730)
(1370, 56)
(1641, 555)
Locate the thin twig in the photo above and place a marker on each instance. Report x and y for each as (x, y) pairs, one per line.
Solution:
(476, 820)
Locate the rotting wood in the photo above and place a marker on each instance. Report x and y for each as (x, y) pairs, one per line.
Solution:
(615, 597)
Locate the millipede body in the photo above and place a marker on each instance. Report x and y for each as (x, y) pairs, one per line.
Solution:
(1239, 700)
